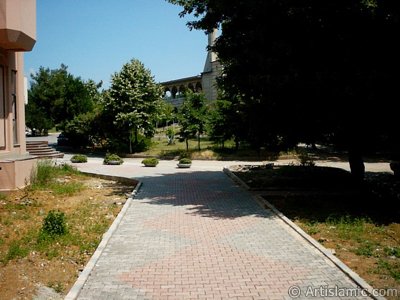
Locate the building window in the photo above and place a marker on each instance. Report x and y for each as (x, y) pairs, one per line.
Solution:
(14, 106)
(2, 111)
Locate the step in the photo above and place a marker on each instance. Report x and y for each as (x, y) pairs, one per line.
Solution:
(55, 155)
(37, 147)
(29, 143)
(44, 153)
(42, 150)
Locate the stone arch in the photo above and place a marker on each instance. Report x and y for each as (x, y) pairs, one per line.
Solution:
(174, 91)
(181, 91)
(199, 87)
(168, 94)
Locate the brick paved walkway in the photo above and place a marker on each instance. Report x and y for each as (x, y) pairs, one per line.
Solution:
(196, 235)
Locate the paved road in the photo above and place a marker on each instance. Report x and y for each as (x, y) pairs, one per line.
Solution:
(194, 234)
(51, 138)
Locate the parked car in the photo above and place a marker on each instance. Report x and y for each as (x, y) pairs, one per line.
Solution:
(28, 131)
(62, 140)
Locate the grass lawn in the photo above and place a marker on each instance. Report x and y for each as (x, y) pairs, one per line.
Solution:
(209, 150)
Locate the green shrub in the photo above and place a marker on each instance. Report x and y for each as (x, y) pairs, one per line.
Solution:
(184, 154)
(79, 158)
(54, 224)
(150, 162)
(185, 161)
(112, 158)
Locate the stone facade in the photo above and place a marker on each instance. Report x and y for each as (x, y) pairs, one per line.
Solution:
(205, 82)
(17, 34)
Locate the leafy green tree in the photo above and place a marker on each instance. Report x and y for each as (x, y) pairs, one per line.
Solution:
(226, 121)
(56, 97)
(309, 70)
(87, 129)
(193, 117)
(134, 102)
(37, 119)
(167, 113)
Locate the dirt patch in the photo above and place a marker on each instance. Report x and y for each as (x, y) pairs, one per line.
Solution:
(27, 262)
(359, 221)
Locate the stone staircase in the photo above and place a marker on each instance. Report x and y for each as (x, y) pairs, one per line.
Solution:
(41, 149)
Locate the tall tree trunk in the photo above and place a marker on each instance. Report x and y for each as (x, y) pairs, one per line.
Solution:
(356, 163)
(236, 144)
(136, 136)
(198, 141)
(130, 142)
(187, 144)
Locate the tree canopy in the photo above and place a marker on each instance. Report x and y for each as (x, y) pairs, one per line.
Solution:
(193, 117)
(56, 97)
(308, 70)
(133, 102)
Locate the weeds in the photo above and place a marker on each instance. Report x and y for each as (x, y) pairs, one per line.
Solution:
(69, 188)
(15, 250)
(392, 251)
(56, 286)
(46, 177)
(46, 171)
(348, 227)
(366, 248)
(312, 228)
(392, 268)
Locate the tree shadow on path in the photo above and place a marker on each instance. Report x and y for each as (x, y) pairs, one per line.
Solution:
(206, 193)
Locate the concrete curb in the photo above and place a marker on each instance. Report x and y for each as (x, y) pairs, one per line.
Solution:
(345, 269)
(83, 277)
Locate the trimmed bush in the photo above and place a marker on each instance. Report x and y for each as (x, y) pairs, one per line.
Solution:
(79, 158)
(185, 161)
(150, 162)
(112, 159)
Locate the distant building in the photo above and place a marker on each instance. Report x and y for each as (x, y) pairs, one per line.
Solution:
(205, 82)
(17, 35)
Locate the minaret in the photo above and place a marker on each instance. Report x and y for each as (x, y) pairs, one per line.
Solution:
(211, 70)
(211, 55)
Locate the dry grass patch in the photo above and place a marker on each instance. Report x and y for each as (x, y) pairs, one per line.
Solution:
(31, 256)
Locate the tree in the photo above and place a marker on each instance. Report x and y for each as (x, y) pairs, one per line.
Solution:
(309, 70)
(134, 101)
(226, 121)
(56, 97)
(167, 113)
(37, 119)
(193, 117)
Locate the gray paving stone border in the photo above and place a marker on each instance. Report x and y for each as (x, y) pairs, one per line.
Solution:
(80, 282)
(344, 268)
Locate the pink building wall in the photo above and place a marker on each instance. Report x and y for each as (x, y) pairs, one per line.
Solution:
(17, 34)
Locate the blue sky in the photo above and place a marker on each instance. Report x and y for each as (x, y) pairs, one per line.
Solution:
(94, 38)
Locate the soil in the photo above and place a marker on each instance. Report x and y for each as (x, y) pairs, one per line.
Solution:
(359, 221)
(55, 264)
